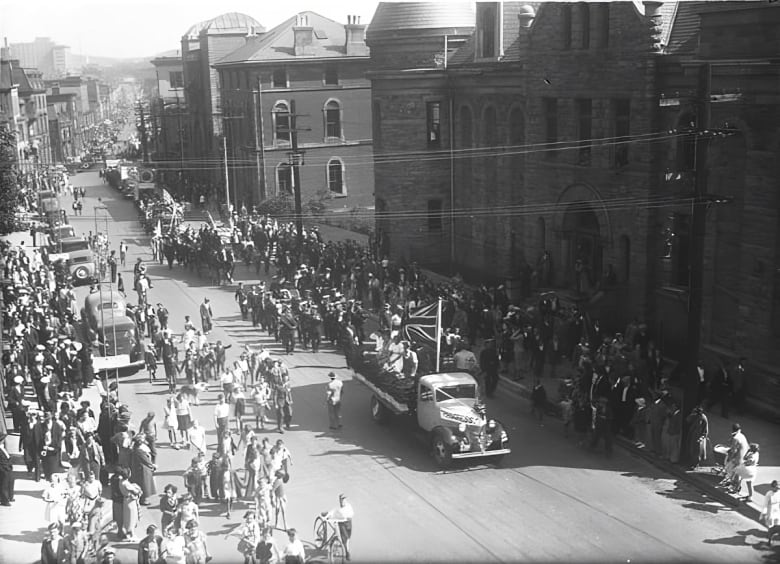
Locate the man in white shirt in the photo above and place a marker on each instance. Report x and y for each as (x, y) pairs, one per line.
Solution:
(221, 418)
(333, 399)
(342, 516)
(294, 551)
(465, 360)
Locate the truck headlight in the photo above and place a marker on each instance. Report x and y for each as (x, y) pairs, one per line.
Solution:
(461, 428)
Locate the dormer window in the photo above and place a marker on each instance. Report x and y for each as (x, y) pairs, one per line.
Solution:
(488, 30)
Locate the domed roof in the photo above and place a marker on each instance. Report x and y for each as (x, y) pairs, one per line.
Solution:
(406, 16)
(527, 10)
(229, 22)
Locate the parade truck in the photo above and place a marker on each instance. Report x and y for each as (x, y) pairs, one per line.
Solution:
(443, 409)
(110, 331)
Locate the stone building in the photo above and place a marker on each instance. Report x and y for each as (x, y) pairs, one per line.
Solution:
(318, 65)
(554, 144)
(202, 45)
(725, 53)
(521, 125)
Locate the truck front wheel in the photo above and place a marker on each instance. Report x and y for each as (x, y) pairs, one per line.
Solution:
(442, 453)
(379, 413)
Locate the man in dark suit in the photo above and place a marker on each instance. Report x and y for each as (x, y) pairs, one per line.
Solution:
(48, 443)
(6, 475)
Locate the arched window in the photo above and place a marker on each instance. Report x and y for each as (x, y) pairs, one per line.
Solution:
(332, 116)
(281, 119)
(625, 258)
(541, 233)
(516, 140)
(584, 13)
(686, 144)
(376, 126)
(336, 176)
(490, 140)
(284, 179)
(467, 142)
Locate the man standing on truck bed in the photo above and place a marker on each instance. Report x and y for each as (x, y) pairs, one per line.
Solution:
(333, 399)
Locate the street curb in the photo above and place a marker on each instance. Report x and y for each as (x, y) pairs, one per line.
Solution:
(747, 509)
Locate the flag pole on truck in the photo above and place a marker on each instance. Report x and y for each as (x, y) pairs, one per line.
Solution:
(438, 335)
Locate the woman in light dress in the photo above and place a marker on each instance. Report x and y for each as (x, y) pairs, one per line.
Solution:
(56, 500)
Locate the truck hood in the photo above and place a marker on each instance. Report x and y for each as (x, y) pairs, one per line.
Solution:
(459, 413)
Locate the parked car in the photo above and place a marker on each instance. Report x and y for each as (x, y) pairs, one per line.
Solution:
(82, 267)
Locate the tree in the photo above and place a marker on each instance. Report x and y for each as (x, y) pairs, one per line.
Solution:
(10, 189)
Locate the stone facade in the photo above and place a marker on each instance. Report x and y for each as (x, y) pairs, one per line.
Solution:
(612, 87)
(506, 200)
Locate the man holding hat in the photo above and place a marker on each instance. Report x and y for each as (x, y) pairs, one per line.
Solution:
(333, 400)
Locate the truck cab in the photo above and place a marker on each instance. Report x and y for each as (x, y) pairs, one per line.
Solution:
(449, 415)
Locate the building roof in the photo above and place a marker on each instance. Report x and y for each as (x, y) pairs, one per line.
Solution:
(329, 40)
(683, 36)
(29, 80)
(6, 81)
(231, 22)
(392, 17)
(512, 47)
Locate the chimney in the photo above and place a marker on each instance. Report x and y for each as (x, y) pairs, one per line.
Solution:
(5, 51)
(304, 36)
(356, 36)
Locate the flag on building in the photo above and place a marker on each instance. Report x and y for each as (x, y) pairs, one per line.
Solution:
(422, 325)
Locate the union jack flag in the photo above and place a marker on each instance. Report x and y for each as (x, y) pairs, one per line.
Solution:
(421, 327)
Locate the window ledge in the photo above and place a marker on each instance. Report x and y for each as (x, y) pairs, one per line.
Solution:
(335, 195)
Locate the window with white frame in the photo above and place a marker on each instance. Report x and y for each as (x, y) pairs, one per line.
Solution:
(336, 176)
(332, 116)
(281, 121)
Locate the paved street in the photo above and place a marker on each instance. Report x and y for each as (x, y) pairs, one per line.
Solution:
(551, 500)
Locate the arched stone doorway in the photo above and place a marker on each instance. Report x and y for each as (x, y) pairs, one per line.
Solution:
(583, 246)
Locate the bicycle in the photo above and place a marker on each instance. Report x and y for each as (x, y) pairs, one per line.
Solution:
(337, 552)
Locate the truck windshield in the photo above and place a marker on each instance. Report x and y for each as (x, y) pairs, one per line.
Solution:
(461, 391)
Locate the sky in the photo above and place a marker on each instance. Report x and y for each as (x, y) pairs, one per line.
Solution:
(140, 28)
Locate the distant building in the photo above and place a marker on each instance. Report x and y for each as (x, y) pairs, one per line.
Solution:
(319, 65)
(87, 114)
(63, 124)
(33, 139)
(203, 45)
(10, 116)
(51, 59)
(169, 115)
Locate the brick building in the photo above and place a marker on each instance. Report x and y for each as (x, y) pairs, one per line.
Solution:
(63, 122)
(168, 115)
(319, 65)
(563, 131)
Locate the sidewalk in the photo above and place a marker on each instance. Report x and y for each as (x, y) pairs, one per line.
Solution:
(757, 430)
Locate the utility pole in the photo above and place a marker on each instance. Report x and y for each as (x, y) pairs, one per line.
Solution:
(296, 160)
(698, 230)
